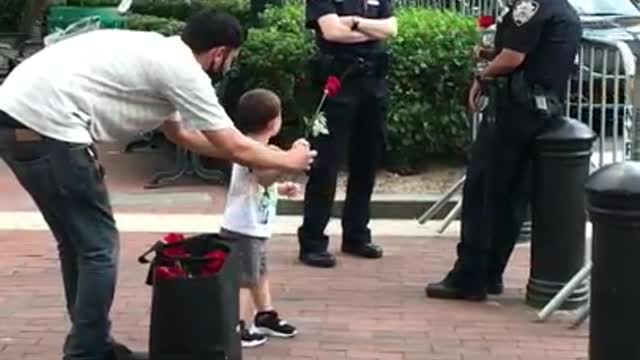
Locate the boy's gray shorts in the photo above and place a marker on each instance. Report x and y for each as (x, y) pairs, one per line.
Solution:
(252, 253)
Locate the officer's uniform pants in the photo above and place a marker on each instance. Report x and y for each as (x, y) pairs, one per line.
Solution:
(496, 193)
(356, 119)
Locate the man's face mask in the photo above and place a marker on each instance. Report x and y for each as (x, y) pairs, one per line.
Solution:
(218, 68)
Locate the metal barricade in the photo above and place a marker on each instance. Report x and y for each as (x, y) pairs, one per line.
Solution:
(600, 94)
(462, 7)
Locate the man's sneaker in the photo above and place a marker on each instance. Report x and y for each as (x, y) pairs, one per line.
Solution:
(250, 339)
(269, 323)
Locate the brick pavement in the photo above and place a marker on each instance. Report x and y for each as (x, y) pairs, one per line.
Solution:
(360, 310)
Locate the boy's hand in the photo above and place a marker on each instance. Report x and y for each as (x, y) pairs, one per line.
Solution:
(289, 189)
(301, 142)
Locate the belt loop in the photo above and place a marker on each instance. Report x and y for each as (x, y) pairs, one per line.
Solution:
(93, 151)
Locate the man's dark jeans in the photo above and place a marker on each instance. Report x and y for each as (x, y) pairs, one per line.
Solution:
(66, 183)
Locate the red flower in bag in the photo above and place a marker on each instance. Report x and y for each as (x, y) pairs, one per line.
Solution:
(215, 261)
(332, 86)
(174, 251)
(169, 272)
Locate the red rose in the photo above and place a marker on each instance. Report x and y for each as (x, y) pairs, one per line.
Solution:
(169, 272)
(173, 238)
(485, 21)
(215, 261)
(332, 86)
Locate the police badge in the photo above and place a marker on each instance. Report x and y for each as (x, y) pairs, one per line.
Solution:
(523, 11)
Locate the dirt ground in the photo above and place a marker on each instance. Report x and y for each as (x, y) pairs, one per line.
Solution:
(434, 178)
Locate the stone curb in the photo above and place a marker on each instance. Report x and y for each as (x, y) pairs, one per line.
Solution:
(383, 206)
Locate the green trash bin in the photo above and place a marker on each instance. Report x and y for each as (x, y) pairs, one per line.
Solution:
(59, 17)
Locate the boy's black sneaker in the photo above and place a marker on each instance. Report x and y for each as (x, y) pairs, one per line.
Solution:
(269, 323)
(250, 339)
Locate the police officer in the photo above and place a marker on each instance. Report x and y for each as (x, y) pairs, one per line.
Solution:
(535, 48)
(350, 35)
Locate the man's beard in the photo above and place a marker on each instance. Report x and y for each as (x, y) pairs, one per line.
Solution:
(216, 75)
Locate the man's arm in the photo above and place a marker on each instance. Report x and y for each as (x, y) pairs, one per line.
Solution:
(334, 29)
(192, 140)
(380, 29)
(529, 17)
(230, 144)
(245, 151)
(506, 62)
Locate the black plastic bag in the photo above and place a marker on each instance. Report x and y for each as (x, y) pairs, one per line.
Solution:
(195, 318)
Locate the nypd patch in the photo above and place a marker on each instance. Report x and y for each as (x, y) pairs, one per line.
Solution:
(523, 11)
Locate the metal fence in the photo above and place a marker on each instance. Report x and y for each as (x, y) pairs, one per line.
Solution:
(600, 94)
(463, 7)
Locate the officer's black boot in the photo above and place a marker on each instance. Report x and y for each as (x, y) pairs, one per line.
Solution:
(359, 244)
(313, 251)
(464, 282)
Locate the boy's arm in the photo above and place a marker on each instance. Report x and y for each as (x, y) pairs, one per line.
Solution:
(266, 177)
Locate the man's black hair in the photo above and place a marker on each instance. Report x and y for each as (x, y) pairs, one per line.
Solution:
(209, 28)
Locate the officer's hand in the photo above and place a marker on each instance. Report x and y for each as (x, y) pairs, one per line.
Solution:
(301, 157)
(474, 95)
(476, 51)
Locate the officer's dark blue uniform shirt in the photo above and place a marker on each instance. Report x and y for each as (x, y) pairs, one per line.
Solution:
(548, 32)
(373, 9)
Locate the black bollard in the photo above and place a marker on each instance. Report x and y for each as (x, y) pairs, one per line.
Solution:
(613, 196)
(560, 167)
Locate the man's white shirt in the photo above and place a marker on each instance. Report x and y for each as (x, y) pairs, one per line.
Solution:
(110, 85)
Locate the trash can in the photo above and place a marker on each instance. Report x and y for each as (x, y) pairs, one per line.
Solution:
(194, 309)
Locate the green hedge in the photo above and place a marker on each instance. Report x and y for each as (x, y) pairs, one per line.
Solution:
(430, 70)
(180, 10)
(154, 23)
(10, 14)
(175, 9)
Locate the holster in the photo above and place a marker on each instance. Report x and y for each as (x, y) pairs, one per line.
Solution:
(322, 65)
(534, 97)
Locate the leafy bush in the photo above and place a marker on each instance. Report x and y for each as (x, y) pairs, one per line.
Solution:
(92, 3)
(10, 14)
(181, 10)
(274, 57)
(154, 23)
(430, 70)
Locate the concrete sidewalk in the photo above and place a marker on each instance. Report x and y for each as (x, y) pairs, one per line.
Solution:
(362, 309)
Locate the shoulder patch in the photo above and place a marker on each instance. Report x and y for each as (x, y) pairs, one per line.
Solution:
(524, 10)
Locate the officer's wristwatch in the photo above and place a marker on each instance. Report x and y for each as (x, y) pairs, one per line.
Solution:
(355, 24)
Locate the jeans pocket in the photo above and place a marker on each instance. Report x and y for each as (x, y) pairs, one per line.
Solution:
(28, 153)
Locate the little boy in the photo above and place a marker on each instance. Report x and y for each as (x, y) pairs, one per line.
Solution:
(248, 216)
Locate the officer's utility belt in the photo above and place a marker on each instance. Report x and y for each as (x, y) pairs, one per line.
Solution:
(348, 67)
(516, 90)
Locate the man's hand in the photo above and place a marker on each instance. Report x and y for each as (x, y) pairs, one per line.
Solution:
(474, 96)
(484, 53)
(301, 157)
